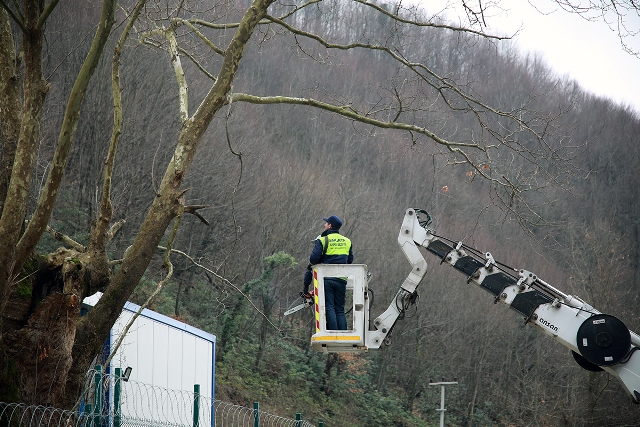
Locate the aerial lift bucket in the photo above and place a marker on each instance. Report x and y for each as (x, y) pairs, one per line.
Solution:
(356, 308)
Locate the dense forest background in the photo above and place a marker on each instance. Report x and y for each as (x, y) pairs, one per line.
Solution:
(270, 173)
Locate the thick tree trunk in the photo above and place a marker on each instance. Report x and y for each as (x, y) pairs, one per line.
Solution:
(15, 204)
(10, 104)
(41, 349)
(40, 322)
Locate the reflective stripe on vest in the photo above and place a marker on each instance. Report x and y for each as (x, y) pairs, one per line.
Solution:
(336, 244)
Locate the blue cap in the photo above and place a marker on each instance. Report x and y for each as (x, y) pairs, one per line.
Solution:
(335, 222)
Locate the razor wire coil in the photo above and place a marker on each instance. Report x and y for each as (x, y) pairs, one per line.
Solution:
(140, 405)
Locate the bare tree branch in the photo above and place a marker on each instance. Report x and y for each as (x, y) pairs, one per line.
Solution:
(395, 17)
(66, 240)
(17, 16)
(349, 112)
(197, 32)
(193, 210)
(47, 11)
(439, 83)
(99, 234)
(223, 280)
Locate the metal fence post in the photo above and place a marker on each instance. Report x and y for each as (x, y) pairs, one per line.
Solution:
(196, 405)
(117, 410)
(88, 411)
(97, 403)
(256, 414)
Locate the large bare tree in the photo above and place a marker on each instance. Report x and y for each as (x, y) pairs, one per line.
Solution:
(46, 349)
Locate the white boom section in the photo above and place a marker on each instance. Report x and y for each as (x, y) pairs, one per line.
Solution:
(410, 237)
(566, 318)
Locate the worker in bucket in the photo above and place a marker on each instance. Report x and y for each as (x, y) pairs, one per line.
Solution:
(331, 248)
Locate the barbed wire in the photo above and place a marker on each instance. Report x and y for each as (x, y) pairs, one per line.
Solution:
(226, 415)
(110, 401)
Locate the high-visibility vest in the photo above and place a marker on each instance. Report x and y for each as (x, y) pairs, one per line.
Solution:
(335, 244)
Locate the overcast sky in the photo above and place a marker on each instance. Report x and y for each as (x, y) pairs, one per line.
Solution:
(589, 52)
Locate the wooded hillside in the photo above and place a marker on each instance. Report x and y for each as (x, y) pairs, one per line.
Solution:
(554, 189)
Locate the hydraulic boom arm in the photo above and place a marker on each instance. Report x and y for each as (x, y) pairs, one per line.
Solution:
(597, 341)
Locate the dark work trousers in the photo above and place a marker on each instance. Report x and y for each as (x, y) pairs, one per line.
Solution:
(334, 295)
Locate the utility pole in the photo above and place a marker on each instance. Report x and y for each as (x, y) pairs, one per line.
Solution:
(442, 385)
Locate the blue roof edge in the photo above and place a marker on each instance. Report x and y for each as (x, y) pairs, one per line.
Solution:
(129, 306)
